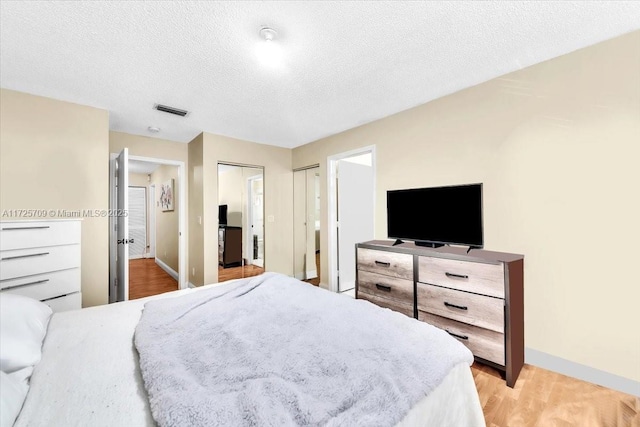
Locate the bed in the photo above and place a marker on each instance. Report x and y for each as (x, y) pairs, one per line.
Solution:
(90, 368)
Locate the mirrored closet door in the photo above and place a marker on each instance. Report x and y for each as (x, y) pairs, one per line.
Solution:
(306, 219)
(240, 221)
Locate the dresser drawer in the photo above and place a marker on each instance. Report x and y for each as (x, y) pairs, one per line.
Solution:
(383, 286)
(43, 286)
(26, 234)
(394, 305)
(480, 278)
(387, 263)
(65, 303)
(483, 343)
(478, 310)
(28, 262)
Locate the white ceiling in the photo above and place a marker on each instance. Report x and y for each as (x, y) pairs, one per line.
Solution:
(345, 63)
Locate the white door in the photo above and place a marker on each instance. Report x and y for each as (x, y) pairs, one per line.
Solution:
(355, 217)
(151, 253)
(122, 227)
(137, 222)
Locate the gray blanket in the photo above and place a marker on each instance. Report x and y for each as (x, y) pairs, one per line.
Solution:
(272, 351)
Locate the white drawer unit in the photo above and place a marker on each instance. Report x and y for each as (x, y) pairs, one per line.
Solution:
(41, 260)
(477, 297)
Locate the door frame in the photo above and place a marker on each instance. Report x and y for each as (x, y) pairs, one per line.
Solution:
(332, 204)
(182, 235)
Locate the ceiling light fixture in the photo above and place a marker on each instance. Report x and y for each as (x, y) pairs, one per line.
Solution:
(268, 51)
(153, 129)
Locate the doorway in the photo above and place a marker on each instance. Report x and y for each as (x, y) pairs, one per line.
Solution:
(306, 220)
(351, 208)
(147, 250)
(241, 237)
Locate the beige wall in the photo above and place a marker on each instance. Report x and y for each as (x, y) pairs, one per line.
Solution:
(138, 179)
(54, 155)
(166, 221)
(278, 190)
(196, 226)
(557, 146)
(145, 146)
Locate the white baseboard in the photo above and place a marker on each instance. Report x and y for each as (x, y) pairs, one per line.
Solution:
(170, 271)
(191, 285)
(581, 372)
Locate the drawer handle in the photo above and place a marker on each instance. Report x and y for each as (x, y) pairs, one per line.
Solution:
(383, 287)
(457, 276)
(34, 227)
(459, 307)
(383, 264)
(462, 337)
(24, 256)
(26, 284)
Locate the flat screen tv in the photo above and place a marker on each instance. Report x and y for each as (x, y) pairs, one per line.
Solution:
(222, 214)
(437, 216)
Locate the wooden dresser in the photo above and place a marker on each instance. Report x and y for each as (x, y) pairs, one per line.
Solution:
(41, 260)
(477, 297)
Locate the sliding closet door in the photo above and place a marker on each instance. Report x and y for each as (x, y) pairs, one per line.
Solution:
(299, 224)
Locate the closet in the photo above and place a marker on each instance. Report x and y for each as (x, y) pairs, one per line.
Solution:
(306, 219)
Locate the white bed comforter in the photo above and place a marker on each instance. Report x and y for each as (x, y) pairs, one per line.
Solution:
(275, 351)
(89, 375)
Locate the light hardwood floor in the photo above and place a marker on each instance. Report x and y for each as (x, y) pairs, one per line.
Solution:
(543, 398)
(146, 278)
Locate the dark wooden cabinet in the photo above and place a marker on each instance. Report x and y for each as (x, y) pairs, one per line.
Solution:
(230, 246)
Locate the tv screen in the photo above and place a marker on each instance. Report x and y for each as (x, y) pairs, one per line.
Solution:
(437, 215)
(222, 214)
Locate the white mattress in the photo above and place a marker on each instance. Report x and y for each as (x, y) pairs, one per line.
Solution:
(89, 375)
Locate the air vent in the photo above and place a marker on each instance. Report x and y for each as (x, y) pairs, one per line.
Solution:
(170, 110)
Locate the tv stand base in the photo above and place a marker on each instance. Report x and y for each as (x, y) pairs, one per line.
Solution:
(429, 244)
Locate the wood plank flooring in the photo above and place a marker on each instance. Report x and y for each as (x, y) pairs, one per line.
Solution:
(543, 398)
(231, 273)
(146, 278)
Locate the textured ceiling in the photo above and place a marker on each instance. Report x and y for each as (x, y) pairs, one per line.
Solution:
(344, 63)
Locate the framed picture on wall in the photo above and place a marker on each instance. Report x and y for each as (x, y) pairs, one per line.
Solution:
(167, 195)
